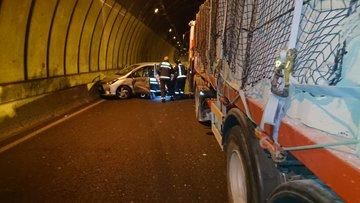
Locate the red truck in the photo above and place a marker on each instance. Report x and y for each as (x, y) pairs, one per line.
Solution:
(279, 81)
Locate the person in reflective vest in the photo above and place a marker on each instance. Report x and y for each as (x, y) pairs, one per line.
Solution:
(180, 74)
(165, 70)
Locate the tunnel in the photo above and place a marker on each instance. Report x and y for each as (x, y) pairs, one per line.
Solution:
(54, 51)
(179, 100)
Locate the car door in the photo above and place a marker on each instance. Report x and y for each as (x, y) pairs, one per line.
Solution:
(154, 83)
(141, 81)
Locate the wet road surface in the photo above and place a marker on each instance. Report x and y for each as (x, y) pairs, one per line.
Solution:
(124, 151)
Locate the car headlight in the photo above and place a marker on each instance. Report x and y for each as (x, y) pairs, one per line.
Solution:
(113, 81)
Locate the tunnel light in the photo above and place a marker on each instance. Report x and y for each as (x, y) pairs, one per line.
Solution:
(170, 30)
(156, 10)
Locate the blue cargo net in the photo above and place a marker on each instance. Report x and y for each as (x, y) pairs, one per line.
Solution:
(326, 29)
(325, 79)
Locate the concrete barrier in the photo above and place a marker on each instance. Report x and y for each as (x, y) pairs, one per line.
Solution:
(24, 114)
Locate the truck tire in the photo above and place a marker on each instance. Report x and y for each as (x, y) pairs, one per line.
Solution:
(247, 161)
(242, 184)
(302, 191)
(198, 106)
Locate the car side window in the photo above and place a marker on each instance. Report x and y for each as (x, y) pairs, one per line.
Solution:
(149, 71)
(153, 71)
(138, 73)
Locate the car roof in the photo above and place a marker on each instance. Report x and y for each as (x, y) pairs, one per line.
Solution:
(141, 65)
(146, 63)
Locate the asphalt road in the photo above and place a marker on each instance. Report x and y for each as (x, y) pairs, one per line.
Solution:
(124, 151)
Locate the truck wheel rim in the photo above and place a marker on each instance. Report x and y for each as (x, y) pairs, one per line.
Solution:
(237, 178)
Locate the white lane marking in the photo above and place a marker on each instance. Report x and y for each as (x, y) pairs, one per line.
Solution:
(26, 137)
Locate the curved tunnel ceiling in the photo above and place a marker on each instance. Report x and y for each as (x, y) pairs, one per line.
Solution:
(174, 14)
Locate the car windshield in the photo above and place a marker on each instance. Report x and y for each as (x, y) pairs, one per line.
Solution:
(126, 70)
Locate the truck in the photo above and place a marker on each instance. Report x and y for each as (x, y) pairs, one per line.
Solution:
(279, 83)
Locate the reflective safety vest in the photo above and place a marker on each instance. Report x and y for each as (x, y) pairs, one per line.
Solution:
(180, 71)
(165, 70)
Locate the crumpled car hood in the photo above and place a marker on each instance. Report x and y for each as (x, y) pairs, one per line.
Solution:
(111, 78)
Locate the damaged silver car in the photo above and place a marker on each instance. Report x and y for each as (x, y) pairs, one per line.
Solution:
(135, 80)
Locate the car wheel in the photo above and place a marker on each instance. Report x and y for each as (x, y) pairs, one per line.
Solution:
(123, 92)
(143, 95)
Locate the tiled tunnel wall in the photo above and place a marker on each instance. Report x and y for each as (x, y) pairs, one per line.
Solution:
(52, 52)
(48, 42)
